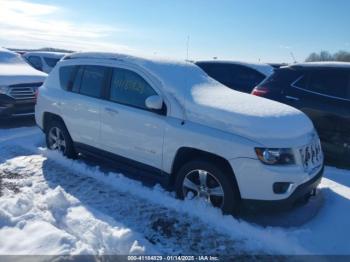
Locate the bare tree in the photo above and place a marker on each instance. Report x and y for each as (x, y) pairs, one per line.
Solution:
(343, 56)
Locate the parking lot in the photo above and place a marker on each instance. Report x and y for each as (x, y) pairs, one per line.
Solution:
(174, 130)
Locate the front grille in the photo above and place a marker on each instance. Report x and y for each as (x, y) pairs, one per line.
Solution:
(20, 93)
(23, 91)
(311, 156)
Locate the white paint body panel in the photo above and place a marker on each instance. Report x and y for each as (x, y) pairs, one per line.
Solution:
(132, 133)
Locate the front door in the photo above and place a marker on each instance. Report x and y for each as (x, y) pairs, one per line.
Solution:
(128, 128)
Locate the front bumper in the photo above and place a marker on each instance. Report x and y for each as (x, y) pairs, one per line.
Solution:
(300, 195)
(10, 107)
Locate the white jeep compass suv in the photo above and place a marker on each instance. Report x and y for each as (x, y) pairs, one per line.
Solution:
(173, 121)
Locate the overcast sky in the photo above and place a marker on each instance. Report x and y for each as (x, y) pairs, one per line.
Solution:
(249, 30)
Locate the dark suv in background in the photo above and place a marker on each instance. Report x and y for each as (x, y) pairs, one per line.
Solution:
(239, 76)
(322, 91)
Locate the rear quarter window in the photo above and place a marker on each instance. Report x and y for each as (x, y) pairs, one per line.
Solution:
(281, 78)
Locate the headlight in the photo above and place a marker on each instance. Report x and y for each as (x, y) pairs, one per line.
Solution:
(275, 156)
(4, 89)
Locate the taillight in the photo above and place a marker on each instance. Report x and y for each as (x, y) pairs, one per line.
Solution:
(260, 91)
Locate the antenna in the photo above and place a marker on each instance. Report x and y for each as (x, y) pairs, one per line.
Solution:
(187, 47)
(293, 57)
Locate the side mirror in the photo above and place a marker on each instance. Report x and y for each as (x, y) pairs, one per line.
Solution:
(154, 102)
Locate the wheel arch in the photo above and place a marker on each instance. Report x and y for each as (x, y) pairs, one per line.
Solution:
(48, 117)
(187, 154)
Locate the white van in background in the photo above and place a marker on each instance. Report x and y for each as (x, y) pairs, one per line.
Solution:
(18, 85)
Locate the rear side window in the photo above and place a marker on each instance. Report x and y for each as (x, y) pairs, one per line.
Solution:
(327, 82)
(67, 74)
(36, 62)
(51, 62)
(220, 72)
(129, 88)
(281, 78)
(245, 79)
(301, 82)
(93, 80)
(77, 79)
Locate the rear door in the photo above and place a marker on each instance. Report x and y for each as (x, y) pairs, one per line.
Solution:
(323, 94)
(82, 105)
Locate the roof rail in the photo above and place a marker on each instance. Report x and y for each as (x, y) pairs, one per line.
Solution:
(68, 57)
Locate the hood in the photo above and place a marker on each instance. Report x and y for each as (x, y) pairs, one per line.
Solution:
(17, 73)
(250, 116)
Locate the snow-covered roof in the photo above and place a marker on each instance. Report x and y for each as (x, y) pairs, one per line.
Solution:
(46, 54)
(323, 64)
(264, 69)
(6, 50)
(7, 56)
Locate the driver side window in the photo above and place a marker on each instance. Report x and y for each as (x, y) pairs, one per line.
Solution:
(129, 88)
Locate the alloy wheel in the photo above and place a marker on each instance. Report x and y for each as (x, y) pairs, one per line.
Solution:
(57, 140)
(203, 184)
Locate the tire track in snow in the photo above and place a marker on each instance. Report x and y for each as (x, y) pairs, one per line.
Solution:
(171, 230)
(161, 226)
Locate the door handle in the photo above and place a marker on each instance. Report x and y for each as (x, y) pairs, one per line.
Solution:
(292, 98)
(111, 110)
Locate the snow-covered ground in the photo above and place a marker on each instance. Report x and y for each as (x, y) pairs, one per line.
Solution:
(52, 205)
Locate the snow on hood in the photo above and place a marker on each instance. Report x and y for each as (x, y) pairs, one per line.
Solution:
(16, 73)
(208, 102)
(247, 115)
(14, 70)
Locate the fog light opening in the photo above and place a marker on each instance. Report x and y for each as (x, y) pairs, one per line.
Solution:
(282, 187)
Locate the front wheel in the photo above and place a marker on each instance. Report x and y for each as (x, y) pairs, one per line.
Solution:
(58, 138)
(201, 179)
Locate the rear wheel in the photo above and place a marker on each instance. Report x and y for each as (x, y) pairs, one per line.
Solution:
(58, 138)
(201, 179)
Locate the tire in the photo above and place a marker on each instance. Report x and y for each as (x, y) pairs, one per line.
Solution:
(227, 198)
(66, 147)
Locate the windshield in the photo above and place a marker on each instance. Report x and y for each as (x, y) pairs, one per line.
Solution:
(10, 58)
